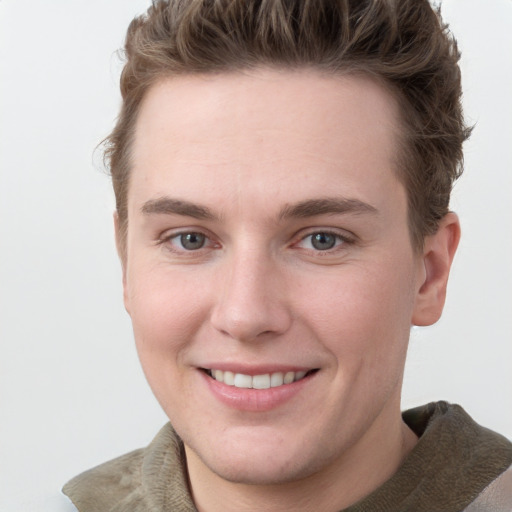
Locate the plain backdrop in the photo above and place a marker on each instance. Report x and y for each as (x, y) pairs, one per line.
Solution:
(72, 394)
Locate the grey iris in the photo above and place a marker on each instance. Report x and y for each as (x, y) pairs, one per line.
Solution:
(192, 241)
(323, 241)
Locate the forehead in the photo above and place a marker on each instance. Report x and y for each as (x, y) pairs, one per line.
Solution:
(264, 127)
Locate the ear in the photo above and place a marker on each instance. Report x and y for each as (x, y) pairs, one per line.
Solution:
(121, 252)
(438, 252)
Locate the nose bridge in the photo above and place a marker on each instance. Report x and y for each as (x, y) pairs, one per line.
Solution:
(251, 300)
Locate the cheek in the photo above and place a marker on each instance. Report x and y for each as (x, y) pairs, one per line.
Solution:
(164, 323)
(166, 313)
(362, 314)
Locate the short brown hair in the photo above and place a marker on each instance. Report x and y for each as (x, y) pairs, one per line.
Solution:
(402, 43)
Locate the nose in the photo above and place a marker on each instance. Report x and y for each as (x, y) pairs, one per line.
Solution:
(251, 304)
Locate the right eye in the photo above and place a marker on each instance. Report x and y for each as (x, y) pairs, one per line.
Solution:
(189, 241)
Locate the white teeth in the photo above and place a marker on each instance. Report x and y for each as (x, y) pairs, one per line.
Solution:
(300, 375)
(264, 381)
(229, 378)
(243, 381)
(261, 381)
(276, 379)
(289, 377)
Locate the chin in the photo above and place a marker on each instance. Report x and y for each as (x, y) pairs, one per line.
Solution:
(262, 463)
(259, 473)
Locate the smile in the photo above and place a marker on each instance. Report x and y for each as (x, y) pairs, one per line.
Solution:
(264, 381)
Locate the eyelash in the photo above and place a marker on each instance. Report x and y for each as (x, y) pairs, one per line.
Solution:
(340, 241)
(167, 240)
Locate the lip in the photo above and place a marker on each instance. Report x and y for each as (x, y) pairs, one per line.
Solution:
(255, 400)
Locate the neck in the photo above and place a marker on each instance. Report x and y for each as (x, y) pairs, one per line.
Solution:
(359, 471)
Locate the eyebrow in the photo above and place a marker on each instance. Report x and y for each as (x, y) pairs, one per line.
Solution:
(170, 206)
(302, 209)
(326, 206)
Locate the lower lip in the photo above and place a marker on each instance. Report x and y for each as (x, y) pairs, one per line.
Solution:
(255, 400)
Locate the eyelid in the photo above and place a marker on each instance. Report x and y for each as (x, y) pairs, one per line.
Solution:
(342, 235)
(171, 234)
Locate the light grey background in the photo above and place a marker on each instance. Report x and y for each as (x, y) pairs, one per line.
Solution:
(71, 391)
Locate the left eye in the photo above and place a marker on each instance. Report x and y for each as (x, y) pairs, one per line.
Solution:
(321, 241)
(190, 241)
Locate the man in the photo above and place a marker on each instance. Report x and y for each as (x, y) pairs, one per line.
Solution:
(282, 174)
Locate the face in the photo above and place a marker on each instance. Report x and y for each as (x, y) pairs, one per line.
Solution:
(269, 272)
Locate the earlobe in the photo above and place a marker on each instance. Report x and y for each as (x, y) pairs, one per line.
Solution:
(439, 250)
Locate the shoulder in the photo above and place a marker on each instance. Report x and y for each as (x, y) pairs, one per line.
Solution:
(108, 484)
(496, 497)
(464, 462)
(151, 478)
(450, 467)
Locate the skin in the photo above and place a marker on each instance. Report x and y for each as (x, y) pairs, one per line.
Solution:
(244, 159)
